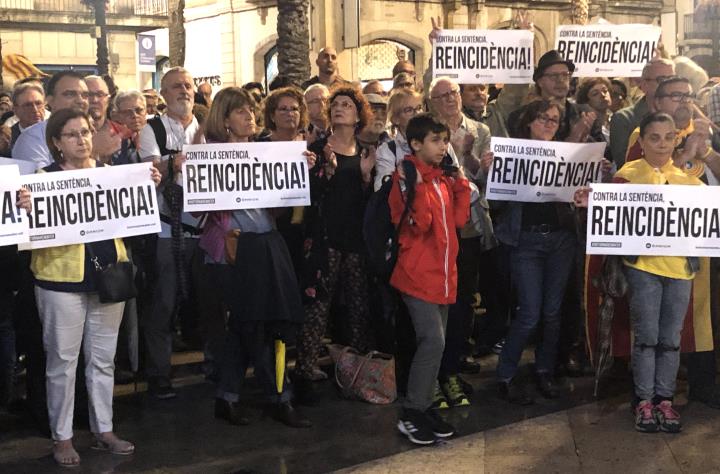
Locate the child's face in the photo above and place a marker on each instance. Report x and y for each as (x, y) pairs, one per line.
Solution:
(433, 147)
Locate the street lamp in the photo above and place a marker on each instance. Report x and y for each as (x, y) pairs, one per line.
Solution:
(99, 7)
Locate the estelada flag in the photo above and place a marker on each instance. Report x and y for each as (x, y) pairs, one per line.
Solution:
(21, 67)
(697, 328)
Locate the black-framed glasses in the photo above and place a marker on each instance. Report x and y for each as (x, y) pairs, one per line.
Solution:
(452, 94)
(679, 96)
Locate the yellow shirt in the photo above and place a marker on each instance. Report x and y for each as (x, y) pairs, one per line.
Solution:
(641, 172)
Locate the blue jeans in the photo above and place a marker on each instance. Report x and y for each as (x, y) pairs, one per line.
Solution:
(540, 266)
(657, 308)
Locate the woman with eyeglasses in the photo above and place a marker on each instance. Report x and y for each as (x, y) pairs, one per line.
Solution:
(71, 312)
(341, 183)
(404, 104)
(542, 247)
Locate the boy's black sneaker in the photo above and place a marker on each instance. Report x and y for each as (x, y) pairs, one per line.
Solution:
(416, 426)
(439, 427)
(514, 393)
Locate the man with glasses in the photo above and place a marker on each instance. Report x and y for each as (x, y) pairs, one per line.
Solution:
(626, 120)
(316, 98)
(65, 90)
(552, 82)
(107, 140)
(29, 108)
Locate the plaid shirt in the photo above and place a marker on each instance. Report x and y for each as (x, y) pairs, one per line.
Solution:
(713, 107)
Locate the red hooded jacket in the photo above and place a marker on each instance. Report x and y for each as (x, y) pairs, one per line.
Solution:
(426, 267)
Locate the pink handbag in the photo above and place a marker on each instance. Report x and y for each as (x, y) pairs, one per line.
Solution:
(369, 377)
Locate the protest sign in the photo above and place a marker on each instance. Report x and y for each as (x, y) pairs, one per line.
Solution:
(227, 176)
(644, 219)
(541, 171)
(13, 221)
(607, 50)
(88, 205)
(484, 56)
(25, 167)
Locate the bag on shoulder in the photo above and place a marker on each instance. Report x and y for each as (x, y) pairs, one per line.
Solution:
(369, 377)
(231, 245)
(380, 234)
(114, 282)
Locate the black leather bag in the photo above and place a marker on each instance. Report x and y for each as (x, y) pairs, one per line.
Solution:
(115, 282)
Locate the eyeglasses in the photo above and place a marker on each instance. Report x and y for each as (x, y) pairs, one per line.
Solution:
(558, 76)
(409, 110)
(545, 120)
(97, 95)
(288, 110)
(135, 111)
(679, 96)
(319, 100)
(38, 104)
(75, 94)
(452, 94)
(82, 133)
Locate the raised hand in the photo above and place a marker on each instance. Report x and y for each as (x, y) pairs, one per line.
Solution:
(436, 28)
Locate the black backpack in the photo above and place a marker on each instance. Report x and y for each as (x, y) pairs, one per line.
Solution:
(381, 236)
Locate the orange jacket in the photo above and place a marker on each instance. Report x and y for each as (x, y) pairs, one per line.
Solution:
(426, 267)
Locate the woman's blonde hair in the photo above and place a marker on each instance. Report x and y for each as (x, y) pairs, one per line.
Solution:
(397, 99)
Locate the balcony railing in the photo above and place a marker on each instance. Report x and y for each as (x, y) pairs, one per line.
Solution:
(118, 7)
(698, 27)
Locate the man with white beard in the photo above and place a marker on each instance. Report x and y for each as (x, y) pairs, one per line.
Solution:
(160, 141)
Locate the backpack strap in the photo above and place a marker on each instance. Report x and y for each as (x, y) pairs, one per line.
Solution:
(160, 134)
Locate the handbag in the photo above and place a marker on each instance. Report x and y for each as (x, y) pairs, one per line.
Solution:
(115, 282)
(231, 244)
(369, 377)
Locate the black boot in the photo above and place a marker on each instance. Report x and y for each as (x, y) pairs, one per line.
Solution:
(285, 413)
(546, 386)
(514, 393)
(231, 411)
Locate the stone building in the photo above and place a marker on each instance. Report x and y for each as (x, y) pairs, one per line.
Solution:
(233, 41)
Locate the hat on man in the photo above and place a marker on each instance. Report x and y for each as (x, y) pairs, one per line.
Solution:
(376, 99)
(548, 59)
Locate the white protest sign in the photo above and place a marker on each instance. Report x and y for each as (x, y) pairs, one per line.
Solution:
(607, 50)
(13, 222)
(484, 56)
(227, 176)
(541, 171)
(644, 219)
(88, 205)
(25, 167)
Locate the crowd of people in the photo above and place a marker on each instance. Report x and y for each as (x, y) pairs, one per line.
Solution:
(472, 277)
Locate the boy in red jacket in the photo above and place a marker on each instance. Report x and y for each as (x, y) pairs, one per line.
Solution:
(425, 272)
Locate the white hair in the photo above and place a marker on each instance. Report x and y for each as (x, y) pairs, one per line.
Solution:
(316, 86)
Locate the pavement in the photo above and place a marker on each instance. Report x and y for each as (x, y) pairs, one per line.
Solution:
(575, 433)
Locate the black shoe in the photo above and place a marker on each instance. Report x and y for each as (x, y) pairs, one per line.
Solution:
(416, 426)
(439, 427)
(287, 414)
(513, 393)
(304, 392)
(178, 345)
(123, 377)
(468, 365)
(546, 386)
(161, 391)
(231, 411)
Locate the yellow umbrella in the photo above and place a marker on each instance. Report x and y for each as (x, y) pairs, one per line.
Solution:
(279, 364)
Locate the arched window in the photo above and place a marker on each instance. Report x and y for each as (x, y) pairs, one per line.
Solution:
(271, 66)
(377, 58)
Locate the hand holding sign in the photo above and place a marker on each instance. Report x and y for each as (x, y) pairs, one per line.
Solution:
(311, 158)
(580, 198)
(486, 161)
(155, 175)
(24, 200)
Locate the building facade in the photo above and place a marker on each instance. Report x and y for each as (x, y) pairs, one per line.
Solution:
(232, 42)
